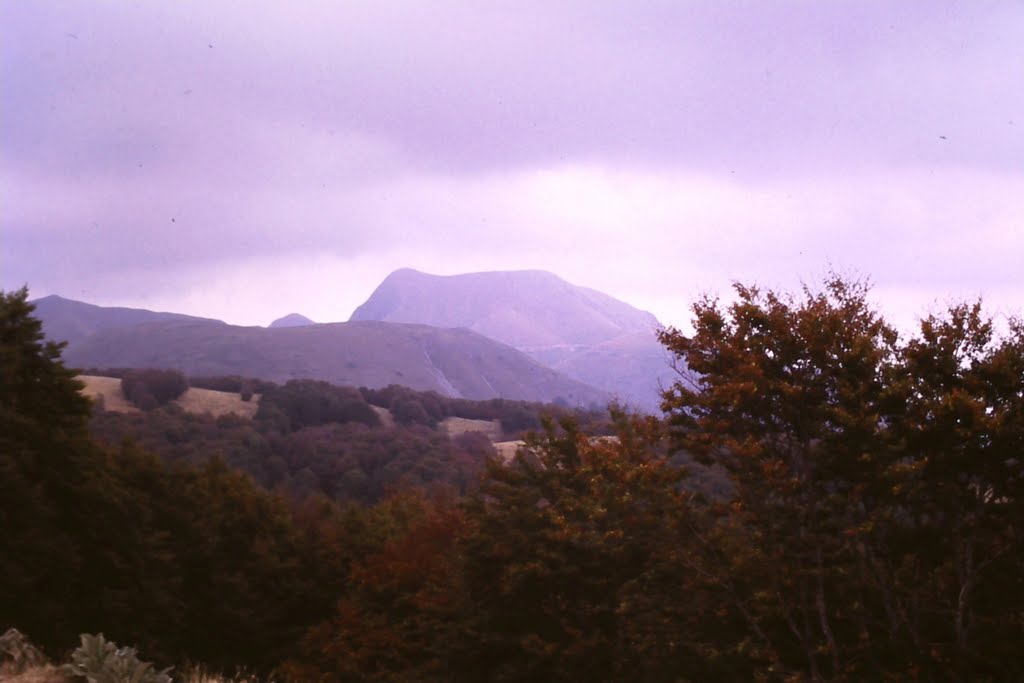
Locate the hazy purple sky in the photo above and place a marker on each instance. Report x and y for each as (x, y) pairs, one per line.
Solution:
(243, 160)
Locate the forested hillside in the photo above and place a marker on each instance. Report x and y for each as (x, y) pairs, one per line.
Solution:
(457, 363)
(870, 528)
(311, 437)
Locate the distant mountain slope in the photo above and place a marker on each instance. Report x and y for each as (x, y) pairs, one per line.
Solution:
(527, 308)
(584, 333)
(454, 362)
(71, 321)
(292, 320)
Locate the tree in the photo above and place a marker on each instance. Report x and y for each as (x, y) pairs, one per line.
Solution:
(963, 430)
(37, 390)
(196, 564)
(404, 614)
(575, 571)
(150, 388)
(876, 508)
(46, 460)
(308, 403)
(569, 564)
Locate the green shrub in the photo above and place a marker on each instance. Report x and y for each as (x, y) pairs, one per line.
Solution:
(102, 661)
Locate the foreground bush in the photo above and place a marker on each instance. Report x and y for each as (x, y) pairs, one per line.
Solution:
(17, 653)
(101, 661)
(97, 661)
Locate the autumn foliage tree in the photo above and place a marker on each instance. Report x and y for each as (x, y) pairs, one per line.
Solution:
(575, 572)
(877, 483)
(565, 565)
(404, 613)
(963, 431)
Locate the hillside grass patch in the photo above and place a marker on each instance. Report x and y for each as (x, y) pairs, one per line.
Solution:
(508, 449)
(386, 418)
(454, 426)
(218, 403)
(107, 392)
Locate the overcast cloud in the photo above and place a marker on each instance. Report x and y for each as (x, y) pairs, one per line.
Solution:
(243, 160)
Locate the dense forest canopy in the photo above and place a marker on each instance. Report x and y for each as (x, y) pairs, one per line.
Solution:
(869, 526)
(310, 437)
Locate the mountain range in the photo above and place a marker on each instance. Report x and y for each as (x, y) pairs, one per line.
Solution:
(454, 362)
(520, 335)
(578, 331)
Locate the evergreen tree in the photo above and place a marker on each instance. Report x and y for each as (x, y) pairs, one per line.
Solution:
(46, 461)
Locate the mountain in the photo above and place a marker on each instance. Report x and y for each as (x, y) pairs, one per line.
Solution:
(526, 309)
(71, 321)
(453, 362)
(588, 335)
(292, 320)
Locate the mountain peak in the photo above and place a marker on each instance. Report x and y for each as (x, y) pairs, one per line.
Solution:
(592, 337)
(292, 320)
(524, 308)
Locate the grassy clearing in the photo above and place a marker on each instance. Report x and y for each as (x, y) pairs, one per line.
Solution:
(454, 426)
(508, 449)
(218, 403)
(109, 388)
(194, 400)
(386, 419)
